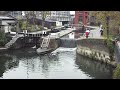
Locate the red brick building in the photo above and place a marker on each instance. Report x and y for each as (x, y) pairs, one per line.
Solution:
(81, 16)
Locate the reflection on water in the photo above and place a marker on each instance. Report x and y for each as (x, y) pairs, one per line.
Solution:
(60, 64)
(94, 68)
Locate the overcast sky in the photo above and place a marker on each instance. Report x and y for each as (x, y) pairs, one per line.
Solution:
(72, 12)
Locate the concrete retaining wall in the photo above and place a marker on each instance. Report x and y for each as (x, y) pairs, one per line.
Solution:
(18, 44)
(68, 43)
(53, 43)
(97, 44)
(96, 55)
(117, 52)
(95, 49)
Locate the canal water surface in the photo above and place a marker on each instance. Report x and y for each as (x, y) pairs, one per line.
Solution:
(62, 63)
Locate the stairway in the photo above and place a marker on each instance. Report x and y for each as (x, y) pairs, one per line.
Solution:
(45, 42)
(14, 39)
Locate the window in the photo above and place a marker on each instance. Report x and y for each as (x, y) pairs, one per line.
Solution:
(80, 19)
(80, 12)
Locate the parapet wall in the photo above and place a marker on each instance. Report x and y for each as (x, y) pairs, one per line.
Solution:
(97, 44)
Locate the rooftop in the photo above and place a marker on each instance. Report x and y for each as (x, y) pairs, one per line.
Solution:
(5, 17)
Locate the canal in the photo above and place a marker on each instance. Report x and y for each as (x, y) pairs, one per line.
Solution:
(63, 63)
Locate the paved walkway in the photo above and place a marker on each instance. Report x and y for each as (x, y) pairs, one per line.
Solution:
(95, 33)
(38, 32)
(61, 33)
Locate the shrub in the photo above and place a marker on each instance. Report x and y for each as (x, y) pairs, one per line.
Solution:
(116, 72)
(110, 46)
(13, 29)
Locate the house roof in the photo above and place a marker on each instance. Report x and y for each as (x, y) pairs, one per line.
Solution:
(6, 18)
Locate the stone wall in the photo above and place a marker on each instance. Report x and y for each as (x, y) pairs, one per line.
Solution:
(68, 43)
(101, 70)
(54, 43)
(18, 44)
(97, 44)
(117, 52)
(95, 49)
(23, 42)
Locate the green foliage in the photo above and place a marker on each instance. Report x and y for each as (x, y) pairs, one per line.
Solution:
(32, 14)
(44, 14)
(114, 22)
(116, 72)
(117, 37)
(23, 25)
(13, 29)
(20, 24)
(110, 46)
(2, 39)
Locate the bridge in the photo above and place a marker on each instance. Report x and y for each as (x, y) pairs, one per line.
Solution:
(33, 38)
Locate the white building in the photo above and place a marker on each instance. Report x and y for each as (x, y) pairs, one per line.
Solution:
(62, 16)
(16, 14)
(6, 23)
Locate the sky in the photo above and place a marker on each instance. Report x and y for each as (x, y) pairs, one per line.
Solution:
(72, 12)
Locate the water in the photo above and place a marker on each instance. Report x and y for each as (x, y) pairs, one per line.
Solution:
(60, 64)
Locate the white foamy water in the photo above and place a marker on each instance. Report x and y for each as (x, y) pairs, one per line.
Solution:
(62, 49)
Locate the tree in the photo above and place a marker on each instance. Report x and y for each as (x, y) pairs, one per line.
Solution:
(33, 15)
(114, 20)
(44, 14)
(27, 16)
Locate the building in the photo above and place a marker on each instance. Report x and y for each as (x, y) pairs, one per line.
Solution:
(53, 16)
(3, 13)
(92, 18)
(6, 23)
(72, 19)
(16, 14)
(61, 16)
(81, 17)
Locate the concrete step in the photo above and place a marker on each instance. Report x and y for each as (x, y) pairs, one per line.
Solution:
(8, 45)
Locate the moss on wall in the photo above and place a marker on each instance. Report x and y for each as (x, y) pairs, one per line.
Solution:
(116, 72)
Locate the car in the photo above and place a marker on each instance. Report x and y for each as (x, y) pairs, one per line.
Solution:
(63, 28)
(55, 30)
(67, 26)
